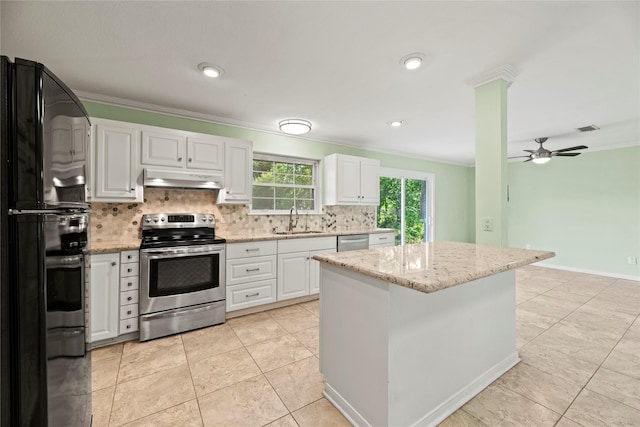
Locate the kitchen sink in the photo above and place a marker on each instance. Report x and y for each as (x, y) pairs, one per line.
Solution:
(297, 232)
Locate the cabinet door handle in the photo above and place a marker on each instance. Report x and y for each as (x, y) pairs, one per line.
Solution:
(252, 249)
(382, 238)
(252, 295)
(179, 159)
(129, 270)
(128, 256)
(128, 326)
(133, 189)
(190, 159)
(113, 264)
(129, 312)
(130, 284)
(252, 269)
(129, 298)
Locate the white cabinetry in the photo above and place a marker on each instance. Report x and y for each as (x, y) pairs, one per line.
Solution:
(251, 274)
(351, 180)
(68, 140)
(116, 170)
(297, 271)
(378, 240)
(182, 150)
(238, 172)
(128, 309)
(105, 296)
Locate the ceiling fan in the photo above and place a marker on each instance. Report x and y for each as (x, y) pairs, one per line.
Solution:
(542, 155)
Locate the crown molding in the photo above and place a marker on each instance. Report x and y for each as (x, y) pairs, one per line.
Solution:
(505, 72)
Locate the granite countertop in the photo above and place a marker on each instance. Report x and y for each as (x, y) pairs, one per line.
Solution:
(100, 246)
(430, 267)
(247, 237)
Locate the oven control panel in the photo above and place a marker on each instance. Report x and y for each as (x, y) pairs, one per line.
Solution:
(177, 220)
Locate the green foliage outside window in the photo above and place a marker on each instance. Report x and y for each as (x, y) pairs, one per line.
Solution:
(389, 210)
(280, 185)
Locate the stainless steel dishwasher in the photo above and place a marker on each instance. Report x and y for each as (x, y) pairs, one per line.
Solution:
(353, 242)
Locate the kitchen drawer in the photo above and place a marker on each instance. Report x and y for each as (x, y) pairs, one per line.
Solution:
(128, 269)
(244, 270)
(382, 239)
(128, 325)
(251, 294)
(251, 249)
(129, 256)
(128, 297)
(129, 283)
(128, 311)
(306, 244)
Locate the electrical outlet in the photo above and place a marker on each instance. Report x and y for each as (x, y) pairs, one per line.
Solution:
(632, 260)
(528, 246)
(487, 223)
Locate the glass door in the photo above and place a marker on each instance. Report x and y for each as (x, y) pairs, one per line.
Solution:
(406, 204)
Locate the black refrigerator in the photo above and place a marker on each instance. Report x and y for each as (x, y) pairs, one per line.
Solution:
(45, 369)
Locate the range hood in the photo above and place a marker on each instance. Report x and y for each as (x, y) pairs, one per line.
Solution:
(180, 179)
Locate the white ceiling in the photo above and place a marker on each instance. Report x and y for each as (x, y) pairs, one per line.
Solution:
(337, 65)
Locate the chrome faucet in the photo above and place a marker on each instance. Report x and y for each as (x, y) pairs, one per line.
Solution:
(291, 224)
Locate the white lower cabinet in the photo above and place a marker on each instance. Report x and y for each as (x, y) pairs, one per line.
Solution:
(251, 274)
(378, 240)
(114, 294)
(105, 296)
(298, 273)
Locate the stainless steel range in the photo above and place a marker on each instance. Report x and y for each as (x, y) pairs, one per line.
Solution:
(182, 274)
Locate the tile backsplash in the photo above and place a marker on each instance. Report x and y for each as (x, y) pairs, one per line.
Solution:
(122, 221)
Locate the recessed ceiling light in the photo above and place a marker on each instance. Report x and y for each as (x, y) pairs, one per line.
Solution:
(210, 70)
(412, 61)
(295, 126)
(396, 123)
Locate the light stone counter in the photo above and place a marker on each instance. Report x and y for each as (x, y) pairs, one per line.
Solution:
(430, 267)
(99, 246)
(409, 334)
(239, 237)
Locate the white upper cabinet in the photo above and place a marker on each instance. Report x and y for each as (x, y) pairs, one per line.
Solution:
(351, 180)
(174, 149)
(238, 173)
(115, 164)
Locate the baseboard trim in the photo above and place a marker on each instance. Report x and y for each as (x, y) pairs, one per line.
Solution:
(438, 414)
(584, 270)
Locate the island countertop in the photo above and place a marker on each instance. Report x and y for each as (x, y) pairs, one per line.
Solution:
(430, 267)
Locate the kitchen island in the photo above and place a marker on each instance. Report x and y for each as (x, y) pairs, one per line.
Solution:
(408, 334)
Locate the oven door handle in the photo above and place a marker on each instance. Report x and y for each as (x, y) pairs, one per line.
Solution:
(181, 252)
(179, 313)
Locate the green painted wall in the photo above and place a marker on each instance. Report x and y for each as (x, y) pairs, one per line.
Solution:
(585, 208)
(453, 185)
(491, 162)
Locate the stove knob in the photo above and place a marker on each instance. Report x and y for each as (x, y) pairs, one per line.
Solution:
(210, 218)
(162, 218)
(155, 219)
(147, 220)
(203, 219)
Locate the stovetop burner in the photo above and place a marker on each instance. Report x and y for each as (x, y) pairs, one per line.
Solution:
(169, 230)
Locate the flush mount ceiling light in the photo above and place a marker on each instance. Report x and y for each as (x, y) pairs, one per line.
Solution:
(210, 70)
(295, 126)
(396, 123)
(412, 61)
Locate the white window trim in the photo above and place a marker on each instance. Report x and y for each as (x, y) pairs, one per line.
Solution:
(314, 163)
(431, 184)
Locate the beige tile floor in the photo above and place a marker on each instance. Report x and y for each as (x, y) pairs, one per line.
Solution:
(578, 336)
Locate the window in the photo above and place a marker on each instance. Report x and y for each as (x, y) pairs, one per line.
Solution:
(406, 204)
(280, 183)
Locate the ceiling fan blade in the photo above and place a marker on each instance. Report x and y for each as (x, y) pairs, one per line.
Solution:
(577, 147)
(565, 154)
(529, 159)
(530, 151)
(518, 157)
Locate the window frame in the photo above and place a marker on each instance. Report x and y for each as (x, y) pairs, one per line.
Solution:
(314, 163)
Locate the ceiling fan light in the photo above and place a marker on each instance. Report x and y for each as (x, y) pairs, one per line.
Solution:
(540, 160)
(412, 61)
(295, 126)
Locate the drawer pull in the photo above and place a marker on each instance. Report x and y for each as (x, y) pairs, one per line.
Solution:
(129, 312)
(128, 326)
(382, 238)
(129, 270)
(252, 249)
(252, 295)
(252, 269)
(129, 298)
(113, 264)
(128, 256)
(130, 284)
